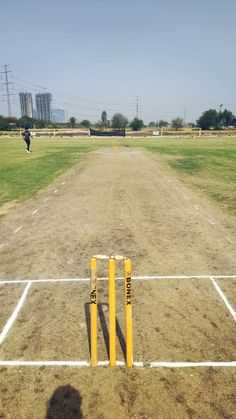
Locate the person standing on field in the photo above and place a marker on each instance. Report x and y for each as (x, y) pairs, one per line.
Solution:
(26, 135)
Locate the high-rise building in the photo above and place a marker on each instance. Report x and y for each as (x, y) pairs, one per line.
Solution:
(58, 115)
(43, 106)
(26, 104)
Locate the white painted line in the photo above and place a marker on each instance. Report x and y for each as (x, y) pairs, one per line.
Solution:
(63, 183)
(118, 363)
(45, 363)
(222, 276)
(35, 281)
(18, 229)
(104, 363)
(35, 212)
(211, 222)
(229, 239)
(156, 364)
(55, 191)
(135, 278)
(182, 277)
(139, 364)
(221, 294)
(15, 313)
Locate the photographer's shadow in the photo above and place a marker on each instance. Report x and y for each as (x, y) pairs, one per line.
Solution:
(65, 403)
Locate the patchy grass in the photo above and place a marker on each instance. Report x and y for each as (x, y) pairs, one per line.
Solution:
(208, 164)
(23, 175)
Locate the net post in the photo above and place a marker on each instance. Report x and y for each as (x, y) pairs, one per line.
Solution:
(93, 310)
(112, 311)
(128, 313)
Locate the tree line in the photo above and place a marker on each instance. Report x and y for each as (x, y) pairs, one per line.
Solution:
(210, 119)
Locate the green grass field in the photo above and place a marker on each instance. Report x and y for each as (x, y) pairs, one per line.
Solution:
(206, 164)
(23, 175)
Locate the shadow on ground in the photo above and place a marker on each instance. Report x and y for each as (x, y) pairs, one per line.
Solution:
(104, 327)
(65, 403)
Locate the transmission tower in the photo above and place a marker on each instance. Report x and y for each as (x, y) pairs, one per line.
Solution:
(7, 84)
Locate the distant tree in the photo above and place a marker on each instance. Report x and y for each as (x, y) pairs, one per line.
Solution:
(161, 123)
(104, 121)
(98, 125)
(25, 122)
(152, 124)
(85, 123)
(225, 118)
(39, 123)
(208, 119)
(11, 119)
(119, 121)
(136, 124)
(177, 123)
(4, 125)
(72, 121)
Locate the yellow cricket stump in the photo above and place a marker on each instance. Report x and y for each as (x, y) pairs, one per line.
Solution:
(93, 311)
(112, 311)
(128, 313)
(112, 308)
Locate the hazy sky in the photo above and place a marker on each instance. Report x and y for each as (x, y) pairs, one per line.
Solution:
(176, 56)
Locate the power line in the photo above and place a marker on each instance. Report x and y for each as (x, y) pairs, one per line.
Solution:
(74, 101)
(7, 84)
(63, 94)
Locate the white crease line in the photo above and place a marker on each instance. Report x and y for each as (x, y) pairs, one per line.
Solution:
(221, 294)
(33, 281)
(139, 364)
(18, 229)
(15, 313)
(156, 364)
(35, 212)
(45, 363)
(63, 183)
(55, 190)
(229, 239)
(135, 278)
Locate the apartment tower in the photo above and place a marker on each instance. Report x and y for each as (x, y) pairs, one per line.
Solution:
(26, 104)
(43, 106)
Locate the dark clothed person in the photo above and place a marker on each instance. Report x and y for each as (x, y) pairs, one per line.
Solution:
(26, 135)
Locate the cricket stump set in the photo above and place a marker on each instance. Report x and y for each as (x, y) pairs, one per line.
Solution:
(112, 308)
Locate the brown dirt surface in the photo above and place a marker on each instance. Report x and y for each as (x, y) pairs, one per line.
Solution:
(229, 289)
(118, 202)
(8, 300)
(6, 208)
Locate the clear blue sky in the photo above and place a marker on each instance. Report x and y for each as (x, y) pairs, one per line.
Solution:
(173, 55)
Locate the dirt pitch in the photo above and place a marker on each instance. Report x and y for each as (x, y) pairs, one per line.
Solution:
(128, 202)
